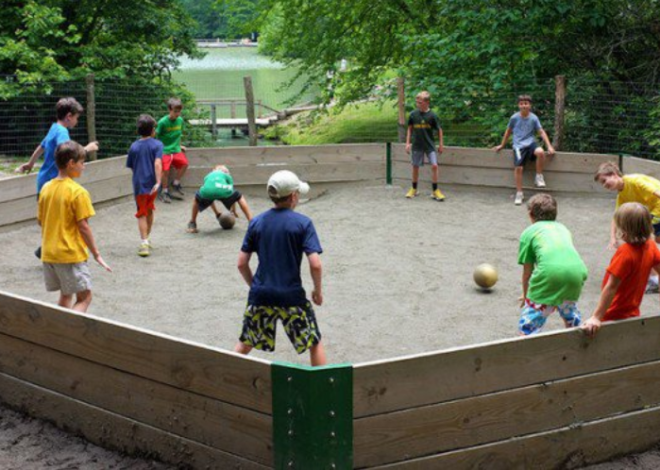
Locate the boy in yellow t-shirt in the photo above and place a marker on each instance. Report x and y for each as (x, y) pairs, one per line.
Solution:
(639, 188)
(64, 207)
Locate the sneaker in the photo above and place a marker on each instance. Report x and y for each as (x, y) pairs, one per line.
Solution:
(178, 189)
(652, 287)
(437, 195)
(164, 196)
(519, 198)
(539, 181)
(412, 192)
(192, 227)
(145, 250)
(174, 196)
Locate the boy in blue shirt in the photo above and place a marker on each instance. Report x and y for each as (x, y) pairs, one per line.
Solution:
(280, 236)
(524, 125)
(145, 159)
(67, 112)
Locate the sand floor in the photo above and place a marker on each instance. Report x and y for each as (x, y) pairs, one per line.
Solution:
(397, 272)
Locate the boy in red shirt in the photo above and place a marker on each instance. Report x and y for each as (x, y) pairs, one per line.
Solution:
(626, 276)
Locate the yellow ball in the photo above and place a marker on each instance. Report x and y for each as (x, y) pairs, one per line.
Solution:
(485, 275)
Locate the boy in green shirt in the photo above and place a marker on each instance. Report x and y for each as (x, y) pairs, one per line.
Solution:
(169, 131)
(553, 272)
(218, 186)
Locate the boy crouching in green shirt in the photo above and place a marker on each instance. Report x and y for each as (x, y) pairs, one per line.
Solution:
(218, 186)
(553, 272)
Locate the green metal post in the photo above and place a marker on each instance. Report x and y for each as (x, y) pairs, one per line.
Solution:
(388, 157)
(313, 417)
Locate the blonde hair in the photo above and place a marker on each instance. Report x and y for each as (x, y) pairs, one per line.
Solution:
(424, 95)
(222, 168)
(633, 222)
(542, 207)
(607, 169)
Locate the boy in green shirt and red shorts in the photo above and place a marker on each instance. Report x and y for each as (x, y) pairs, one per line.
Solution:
(169, 131)
(218, 186)
(553, 272)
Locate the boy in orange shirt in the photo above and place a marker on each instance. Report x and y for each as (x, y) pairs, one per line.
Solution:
(64, 207)
(626, 276)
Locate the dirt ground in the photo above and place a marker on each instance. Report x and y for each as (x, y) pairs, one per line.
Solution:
(397, 272)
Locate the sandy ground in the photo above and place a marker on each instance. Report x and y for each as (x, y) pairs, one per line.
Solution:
(397, 272)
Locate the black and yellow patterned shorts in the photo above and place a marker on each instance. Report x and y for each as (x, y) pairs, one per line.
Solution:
(259, 326)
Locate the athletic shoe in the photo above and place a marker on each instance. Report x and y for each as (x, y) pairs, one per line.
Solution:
(539, 181)
(178, 189)
(145, 250)
(437, 195)
(174, 196)
(164, 196)
(519, 198)
(192, 227)
(652, 287)
(412, 192)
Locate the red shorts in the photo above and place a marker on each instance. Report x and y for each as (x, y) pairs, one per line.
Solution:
(177, 160)
(145, 204)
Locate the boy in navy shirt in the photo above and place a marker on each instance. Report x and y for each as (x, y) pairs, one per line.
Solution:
(145, 159)
(280, 236)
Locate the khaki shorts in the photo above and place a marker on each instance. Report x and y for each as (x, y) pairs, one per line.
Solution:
(69, 278)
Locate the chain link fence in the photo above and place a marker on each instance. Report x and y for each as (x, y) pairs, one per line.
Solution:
(598, 116)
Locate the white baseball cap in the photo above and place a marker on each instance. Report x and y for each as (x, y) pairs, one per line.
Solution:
(284, 183)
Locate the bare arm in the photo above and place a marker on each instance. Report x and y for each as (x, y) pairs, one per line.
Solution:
(592, 325)
(613, 241)
(316, 270)
(244, 267)
(441, 142)
(88, 236)
(546, 141)
(505, 139)
(408, 135)
(158, 167)
(27, 167)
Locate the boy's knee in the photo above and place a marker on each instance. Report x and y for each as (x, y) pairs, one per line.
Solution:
(434, 166)
(539, 152)
(518, 169)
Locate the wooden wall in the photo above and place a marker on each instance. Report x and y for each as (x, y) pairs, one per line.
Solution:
(109, 180)
(134, 390)
(552, 401)
(483, 167)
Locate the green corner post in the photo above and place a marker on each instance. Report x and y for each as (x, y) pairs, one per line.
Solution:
(313, 416)
(388, 159)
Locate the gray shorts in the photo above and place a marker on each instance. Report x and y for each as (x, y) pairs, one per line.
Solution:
(70, 278)
(418, 158)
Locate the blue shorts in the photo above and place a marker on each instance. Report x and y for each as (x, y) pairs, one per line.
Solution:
(523, 154)
(418, 158)
(534, 316)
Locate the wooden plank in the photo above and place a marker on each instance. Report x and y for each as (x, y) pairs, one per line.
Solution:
(465, 423)
(569, 447)
(640, 165)
(253, 155)
(19, 187)
(564, 162)
(247, 175)
(18, 210)
(115, 432)
(228, 377)
(424, 379)
(204, 420)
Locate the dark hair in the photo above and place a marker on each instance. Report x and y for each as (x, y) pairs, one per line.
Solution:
(542, 207)
(68, 151)
(145, 125)
(525, 98)
(67, 105)
(175, 104)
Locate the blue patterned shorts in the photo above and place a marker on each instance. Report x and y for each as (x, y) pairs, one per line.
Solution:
(534, 316)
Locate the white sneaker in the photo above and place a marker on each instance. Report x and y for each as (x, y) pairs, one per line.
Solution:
(539, 181)
(519, 198)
